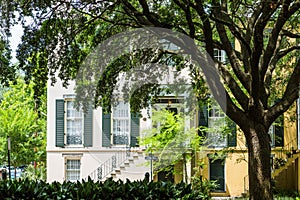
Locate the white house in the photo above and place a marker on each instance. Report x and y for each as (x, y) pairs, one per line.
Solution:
(78, 143)
(94, 143)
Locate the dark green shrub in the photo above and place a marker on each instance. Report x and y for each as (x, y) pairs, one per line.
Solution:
(108, 190)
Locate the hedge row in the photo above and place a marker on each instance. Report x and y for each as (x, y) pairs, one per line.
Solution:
(28, 189)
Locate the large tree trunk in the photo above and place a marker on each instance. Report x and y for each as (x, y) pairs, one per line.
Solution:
(259, 169)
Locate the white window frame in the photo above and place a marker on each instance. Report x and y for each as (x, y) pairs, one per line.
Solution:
(119, 115)
(220, 55)
(215, 137)
(79, 115)
(76, 170)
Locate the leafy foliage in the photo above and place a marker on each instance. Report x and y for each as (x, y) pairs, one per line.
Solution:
(33, 173)
(169, 139)
(7, 71)
(23, 123)
(28, 189)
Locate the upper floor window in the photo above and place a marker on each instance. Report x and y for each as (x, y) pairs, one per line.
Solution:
(74, 122)
(72, 126)
(216, 124)
(218, 130)
(120, 127)
(220, 55)
(121, 123)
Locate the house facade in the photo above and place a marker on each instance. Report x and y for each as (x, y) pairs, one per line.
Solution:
(78, 143)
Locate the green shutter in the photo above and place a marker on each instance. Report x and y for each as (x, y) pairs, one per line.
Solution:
(231, 137)
(134, 129)
(60, 123)
(202, 119)
(88, 127)
(106, 132)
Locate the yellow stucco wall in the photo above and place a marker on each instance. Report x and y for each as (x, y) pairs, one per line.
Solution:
(236, 173)
(236, 165)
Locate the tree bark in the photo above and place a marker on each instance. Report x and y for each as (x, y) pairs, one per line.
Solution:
(259, 168)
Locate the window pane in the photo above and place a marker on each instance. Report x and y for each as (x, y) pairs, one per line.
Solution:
(74, 122)
(216, 124)
(73, 170)
(121, 123)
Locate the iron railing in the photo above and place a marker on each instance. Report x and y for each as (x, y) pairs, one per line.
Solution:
(107, 167)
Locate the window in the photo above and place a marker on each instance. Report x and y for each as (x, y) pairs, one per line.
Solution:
(74, 122)
(216, 125)
(72, 127)
(219, 55)
(120, 127)
(218, 129)
(272, 135)
(121, 123)
(217, 173)
(276, 132)
(72, 169)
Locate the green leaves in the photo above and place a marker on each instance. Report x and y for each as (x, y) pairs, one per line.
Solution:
(138, 190)
(168, 132)
(20, 121)
(170, 139)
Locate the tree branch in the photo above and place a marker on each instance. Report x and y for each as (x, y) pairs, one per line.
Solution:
(282, 18)
(256, 83)
(284, 52)
(148, 14)
(207, 29)
(228, 48)
(290, 34)
(131, 11)
(239, 95)
(289, 97)
(188, 16)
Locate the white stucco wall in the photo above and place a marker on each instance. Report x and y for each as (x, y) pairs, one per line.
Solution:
(91, 157)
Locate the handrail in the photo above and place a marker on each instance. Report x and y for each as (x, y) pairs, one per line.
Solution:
(290, 145)
(285, 153)
(109, 165)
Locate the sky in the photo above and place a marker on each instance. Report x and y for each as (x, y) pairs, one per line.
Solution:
(15, 39)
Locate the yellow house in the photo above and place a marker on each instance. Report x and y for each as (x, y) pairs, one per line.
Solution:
(228, 165)
(225, 156)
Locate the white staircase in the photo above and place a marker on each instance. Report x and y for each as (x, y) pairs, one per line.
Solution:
(133, 169)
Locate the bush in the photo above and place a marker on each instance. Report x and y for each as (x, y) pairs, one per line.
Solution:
(29, 189)
(285, 193)
(38, 173)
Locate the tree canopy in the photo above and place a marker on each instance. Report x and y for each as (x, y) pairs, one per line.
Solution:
(260, 39)
(20, 120)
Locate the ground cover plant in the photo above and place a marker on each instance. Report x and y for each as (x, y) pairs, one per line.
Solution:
(29, 189)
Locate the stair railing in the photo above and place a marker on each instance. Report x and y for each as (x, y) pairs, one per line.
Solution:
(285, 153)
(109, 165)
